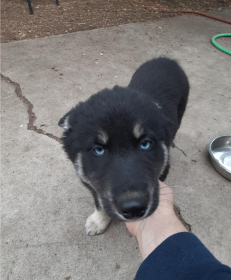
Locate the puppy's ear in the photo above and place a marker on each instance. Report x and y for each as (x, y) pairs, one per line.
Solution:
(64, 121)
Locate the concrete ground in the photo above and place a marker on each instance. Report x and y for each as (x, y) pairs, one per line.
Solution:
(44, 206)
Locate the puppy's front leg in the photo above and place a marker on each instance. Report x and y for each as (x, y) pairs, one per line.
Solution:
(97, 222)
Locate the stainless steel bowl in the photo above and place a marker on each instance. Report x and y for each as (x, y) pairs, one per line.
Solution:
(220, 153)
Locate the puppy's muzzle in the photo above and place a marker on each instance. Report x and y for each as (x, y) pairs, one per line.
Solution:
(132, 208)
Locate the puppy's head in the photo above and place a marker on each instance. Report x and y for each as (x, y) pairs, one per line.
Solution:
(117, 141)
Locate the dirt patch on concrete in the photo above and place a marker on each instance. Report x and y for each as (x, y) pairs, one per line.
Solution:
(77, 15)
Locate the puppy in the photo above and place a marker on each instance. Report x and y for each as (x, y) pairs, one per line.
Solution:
(119, 139)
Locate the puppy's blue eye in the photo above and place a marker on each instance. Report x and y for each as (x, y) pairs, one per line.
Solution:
(145, 144)
(99, 151)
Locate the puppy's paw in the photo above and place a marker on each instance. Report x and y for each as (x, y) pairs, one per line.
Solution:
(97, 223)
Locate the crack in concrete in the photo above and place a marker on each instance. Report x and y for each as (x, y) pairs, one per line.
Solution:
(31, 114)
(175, 146)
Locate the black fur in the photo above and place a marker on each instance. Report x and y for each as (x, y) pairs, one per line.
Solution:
(155, 99)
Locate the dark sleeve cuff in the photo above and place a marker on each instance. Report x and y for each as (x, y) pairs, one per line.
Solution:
(182, 256)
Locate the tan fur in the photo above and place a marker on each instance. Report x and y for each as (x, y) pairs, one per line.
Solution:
(138, 130)
(103, 137)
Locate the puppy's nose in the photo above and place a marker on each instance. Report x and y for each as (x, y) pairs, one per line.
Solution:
(133, 208)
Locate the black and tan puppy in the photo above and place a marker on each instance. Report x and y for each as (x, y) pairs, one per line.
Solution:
(119, 139)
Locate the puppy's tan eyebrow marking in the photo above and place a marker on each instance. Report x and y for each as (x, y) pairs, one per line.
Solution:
(102, 137)
(138, 130)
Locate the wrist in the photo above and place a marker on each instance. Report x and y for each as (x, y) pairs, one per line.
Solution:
(150, 238)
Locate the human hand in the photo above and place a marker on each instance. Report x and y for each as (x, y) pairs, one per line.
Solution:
(153, 230)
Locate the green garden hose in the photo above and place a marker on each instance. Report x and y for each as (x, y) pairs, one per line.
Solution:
(213, 40)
